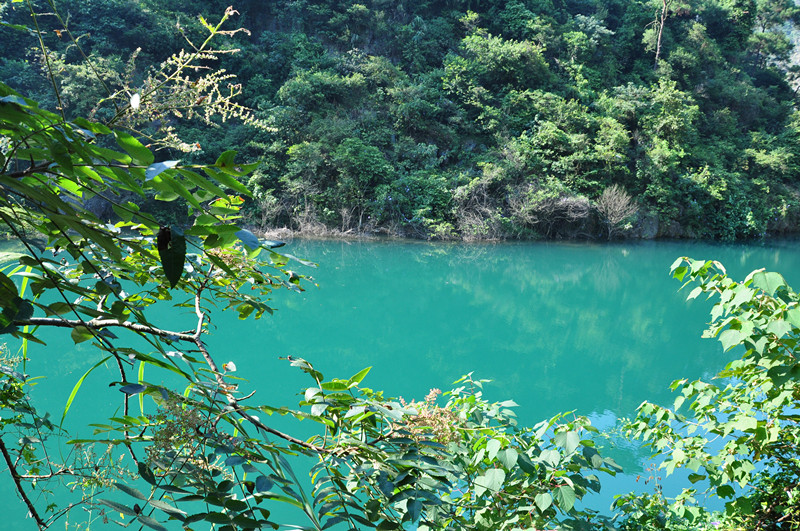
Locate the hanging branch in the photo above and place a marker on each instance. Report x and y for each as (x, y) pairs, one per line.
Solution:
(16, 477)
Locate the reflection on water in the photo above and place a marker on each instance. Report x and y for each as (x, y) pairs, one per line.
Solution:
(557, 327)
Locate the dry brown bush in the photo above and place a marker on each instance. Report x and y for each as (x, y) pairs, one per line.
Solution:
(616, 207)
(553, 215)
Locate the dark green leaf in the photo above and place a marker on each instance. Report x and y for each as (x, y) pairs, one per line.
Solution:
(217, 518)
(171, 245)
(133, 389)
(130, 491)
(263, 484)
(124, 509)
(150, 522)
(248, 238)
(146, 473)
(80, 334)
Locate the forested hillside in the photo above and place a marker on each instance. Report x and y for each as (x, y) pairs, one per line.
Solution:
(458, 118)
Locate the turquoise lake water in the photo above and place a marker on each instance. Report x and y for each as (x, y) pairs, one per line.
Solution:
(556, 327)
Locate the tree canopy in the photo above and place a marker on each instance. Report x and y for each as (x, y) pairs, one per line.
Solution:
(688, 107)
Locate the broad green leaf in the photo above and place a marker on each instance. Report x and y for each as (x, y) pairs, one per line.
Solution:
(229, 181)
(492, 447)
(81, 333)
(146, 473)
(235, 460)
(202, 183)
(768, 281)
(318, 409)
(572, 442)
(205, 219)
(564, 497)
(263, 484)
(779, 327)
(543, 501)
(226, 164)
(730, 338)
(217, 518)
(226, 159)
(335, 385)
(550, 457)
(725, 491)
(793, 316)
(94, 127)
(248, 238)
(694, 478)
(508, 457)
(8, 290)
(745, 423)
(414, 508)
(491, 481)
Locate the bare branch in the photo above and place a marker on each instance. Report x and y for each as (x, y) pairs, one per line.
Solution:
(99, 324)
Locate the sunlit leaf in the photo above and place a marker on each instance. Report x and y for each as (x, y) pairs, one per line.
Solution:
(491, 481)
(768, 281)
(167, 508)
(158, 167)
(78, 386)
(134, 148)
(564, 497)
(543, 501)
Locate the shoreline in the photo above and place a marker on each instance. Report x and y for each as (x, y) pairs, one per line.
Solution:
(288, 235)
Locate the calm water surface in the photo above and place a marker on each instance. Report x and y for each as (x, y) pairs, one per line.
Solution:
(557, 327)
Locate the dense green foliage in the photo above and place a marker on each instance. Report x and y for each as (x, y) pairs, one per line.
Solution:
(473, 119)
(199, 454)
(202, 455)
(738, 434)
